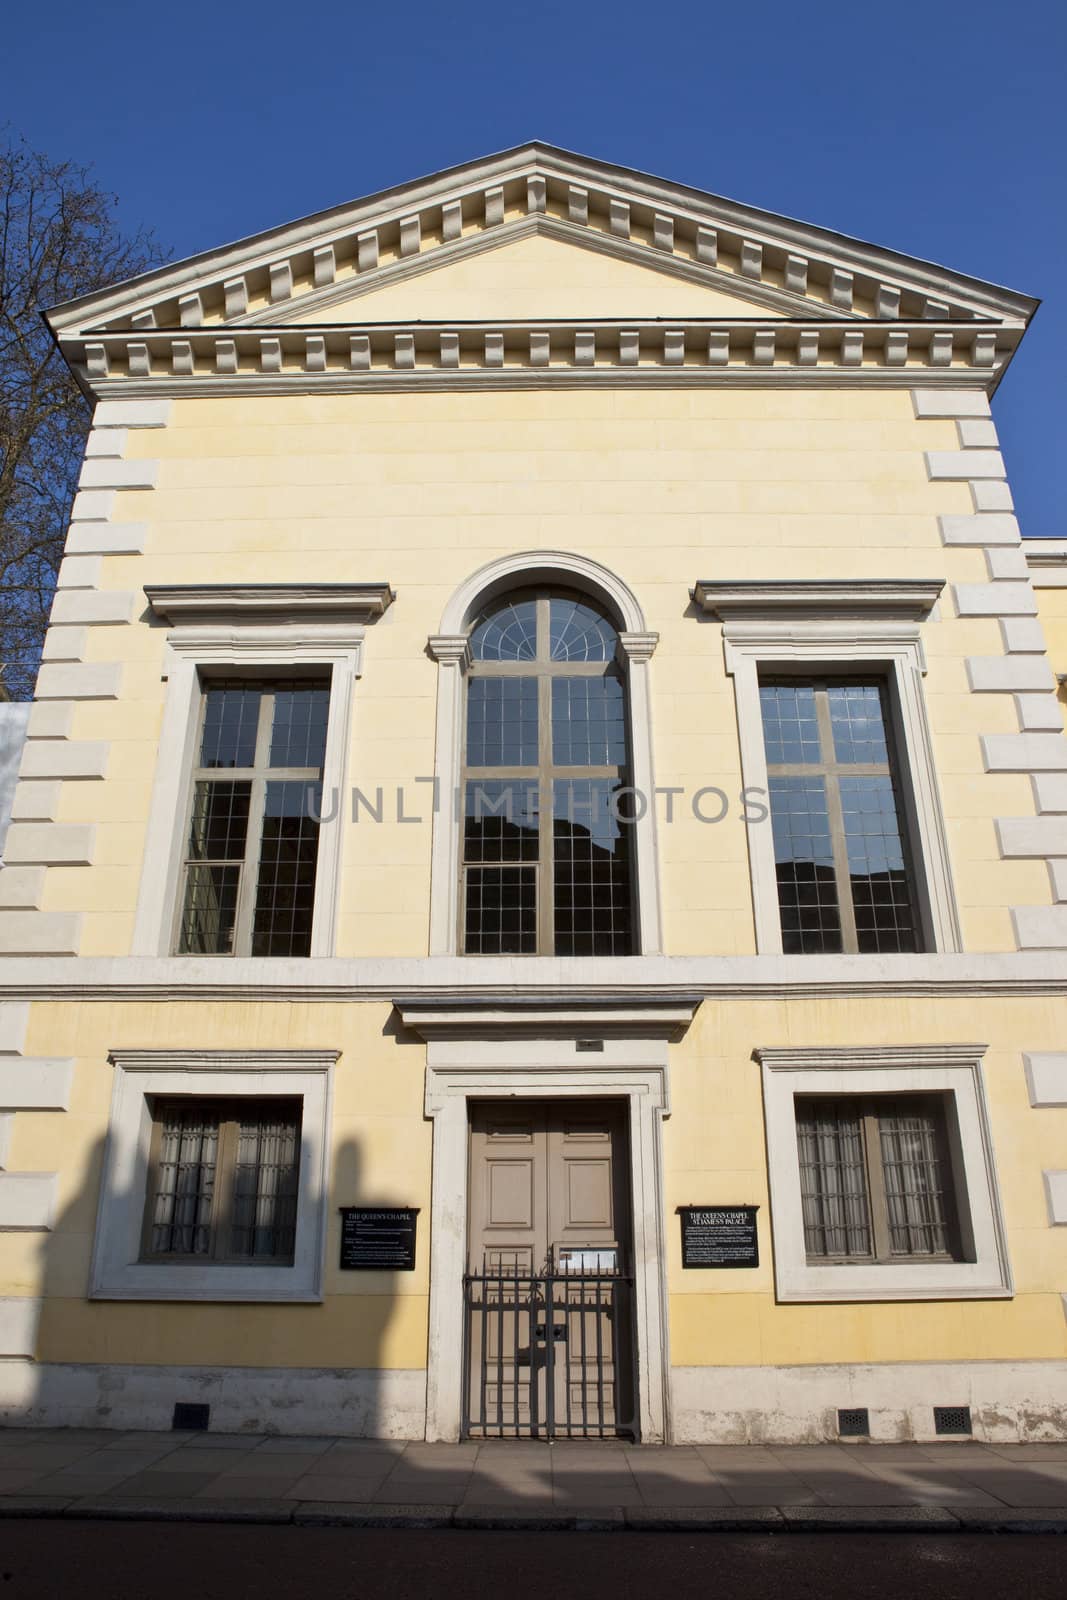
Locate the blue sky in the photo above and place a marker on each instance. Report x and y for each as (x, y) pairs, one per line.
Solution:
(934, 128)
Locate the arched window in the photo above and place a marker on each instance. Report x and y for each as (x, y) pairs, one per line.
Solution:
(546, 860)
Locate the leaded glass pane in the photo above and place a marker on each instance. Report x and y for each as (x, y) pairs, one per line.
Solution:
(231, 721)
(790, 725)
(265, 1184)
(501, 911)
(833, 1180)
(502, 722)
(298, 732)
(579, 633)
(858, 723)
(506, 632)
(914, 1182)
(500, 821)
(209, 911)
(185, 1182)
(219, 825)
(588, 722)
(591, 844)
(804, 862)
(285, 887)
(881, 893)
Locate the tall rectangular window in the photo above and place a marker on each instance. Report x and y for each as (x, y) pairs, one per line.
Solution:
(252, 844)
(840, 849)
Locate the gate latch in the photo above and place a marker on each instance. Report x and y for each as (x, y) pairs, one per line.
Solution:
(559, 1331)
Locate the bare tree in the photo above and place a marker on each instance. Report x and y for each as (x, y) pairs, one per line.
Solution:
(59, 238)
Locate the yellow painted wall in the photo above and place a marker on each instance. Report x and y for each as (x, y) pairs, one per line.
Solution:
(381, 1144)
(663, 487)
(537, 278)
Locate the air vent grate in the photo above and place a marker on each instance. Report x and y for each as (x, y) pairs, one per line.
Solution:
(192, 1417)
(952, 1419)
(854, 1423)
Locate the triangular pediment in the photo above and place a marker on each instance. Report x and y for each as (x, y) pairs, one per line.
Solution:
(540, 266)
(769, 260)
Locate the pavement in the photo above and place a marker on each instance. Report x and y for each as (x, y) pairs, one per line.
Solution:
(589, 1486)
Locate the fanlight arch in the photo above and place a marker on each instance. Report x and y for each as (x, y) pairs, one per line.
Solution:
(544, 829)
(533, 567)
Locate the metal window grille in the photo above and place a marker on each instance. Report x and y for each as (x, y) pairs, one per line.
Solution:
(252, 846)
(854, 1423)
(841, 852)
(875, 1178)
(547, 854)
(223, 1182)
(952, 1419)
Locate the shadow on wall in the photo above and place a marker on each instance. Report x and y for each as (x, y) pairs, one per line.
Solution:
(272, 1368)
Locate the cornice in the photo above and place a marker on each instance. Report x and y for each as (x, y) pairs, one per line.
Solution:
(503, 1016)
(654, 217)
(194, 1060)
(871, 1058)
(443, 980)
(909, 599)
(267, 602)
(1045, 554)
(642, 352)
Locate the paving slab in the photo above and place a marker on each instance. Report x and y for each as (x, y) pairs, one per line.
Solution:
(34, 1505)
(234, 1486)
(164, 1483)
(327, 1486)
(224, 1441)
(11, 1482)
(292, 1444)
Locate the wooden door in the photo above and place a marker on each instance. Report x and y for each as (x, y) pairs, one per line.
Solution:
(550, 1334)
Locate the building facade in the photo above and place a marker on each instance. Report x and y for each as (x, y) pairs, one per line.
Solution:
(536, 900)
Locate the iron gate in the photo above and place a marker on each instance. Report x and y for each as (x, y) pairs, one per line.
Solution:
(548, 1355)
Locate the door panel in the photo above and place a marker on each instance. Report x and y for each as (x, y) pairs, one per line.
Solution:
(550, 1337)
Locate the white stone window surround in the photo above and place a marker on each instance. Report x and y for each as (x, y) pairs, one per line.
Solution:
(881, 645)
(116, 1272)
(271, 647)
(450, 649)
(954, 1070)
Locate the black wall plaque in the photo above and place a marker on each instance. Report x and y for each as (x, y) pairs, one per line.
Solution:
(378, 1238)
(719, 1236)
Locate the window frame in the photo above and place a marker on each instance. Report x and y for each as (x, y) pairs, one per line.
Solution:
(262, 649)
(819, 647)
(222, 1187)
(830, 770)
(118, 1270)
(258, 776)
(543, 774)
(450, 648)
(879, 1072)
(869, 1110)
